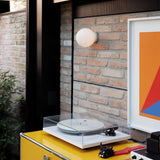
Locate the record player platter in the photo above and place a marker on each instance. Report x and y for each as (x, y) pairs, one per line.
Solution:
(76, 126)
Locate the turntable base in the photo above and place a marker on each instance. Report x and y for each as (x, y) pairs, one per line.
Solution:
(86, 141)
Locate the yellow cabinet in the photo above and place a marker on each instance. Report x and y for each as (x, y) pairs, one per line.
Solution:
(32, 151)
(40, 145)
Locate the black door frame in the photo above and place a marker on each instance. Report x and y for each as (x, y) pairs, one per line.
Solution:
(41, 42)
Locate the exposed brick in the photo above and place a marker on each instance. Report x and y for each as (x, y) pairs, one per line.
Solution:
(80, 95)
(75, 101)
(66, 13)
(66, 86)
(107, 20)
(118, 83)
(76, 22)
(66, 64)
(66, 35)
(90, 70)
(67, 27)
(118, 104)
(18, 37)
(112, 73)
(16, 5)
(76, 68)
(76, 85)
(66, 21)
(86, 21)
(7, 42)
(101, 28)
(79, 109)
(125, 37)
(109, 110)
(87, 104)
(80, 76)
(64, 78)
(157, 13)
(110, 47)
(109, 36)
(65, 71)
(118, 120)
(66, 50)
(124, 18)
(85, 53)
(113, 93)
(20, 42)
(119, 28)
(66, 6)
(97, 62)
(99, 45)
(126, 74)
(65, 93)
(67, 43)
(17, 19)
(19, 31)
(108, 54)
(124, 55)
(18, 60)
(78, 60)
(99, 115)
(125, 97)
(97, 79)
(98, 99)
(65, 107)
(13, 46)
(117, 64)
(4, 31)
(19, 65)
(90, 89)
(123, 114)
(118, 45)
(63, 112)
(66, 57)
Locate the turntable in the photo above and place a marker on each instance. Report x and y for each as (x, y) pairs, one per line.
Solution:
(85, 131)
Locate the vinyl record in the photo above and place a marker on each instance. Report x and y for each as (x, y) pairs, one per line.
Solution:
(76, 126)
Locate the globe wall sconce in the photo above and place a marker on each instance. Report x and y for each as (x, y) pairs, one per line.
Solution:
(85, 37)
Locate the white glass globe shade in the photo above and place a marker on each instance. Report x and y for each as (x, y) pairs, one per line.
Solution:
(85, 37)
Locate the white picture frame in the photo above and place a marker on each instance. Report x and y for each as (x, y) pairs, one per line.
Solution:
(135, 26)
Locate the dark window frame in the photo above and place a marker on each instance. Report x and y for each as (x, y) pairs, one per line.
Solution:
(88, 8)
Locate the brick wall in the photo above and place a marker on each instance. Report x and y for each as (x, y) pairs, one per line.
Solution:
(100, 71)
(66, 58)
(16, 5)
(13, 45)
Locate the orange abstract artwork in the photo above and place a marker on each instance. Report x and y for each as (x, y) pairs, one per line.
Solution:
(149, 91)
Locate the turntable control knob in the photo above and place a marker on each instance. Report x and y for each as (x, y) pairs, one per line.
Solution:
(45, 157)
(134, 157)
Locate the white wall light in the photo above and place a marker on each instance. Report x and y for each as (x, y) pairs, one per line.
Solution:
(85, 37)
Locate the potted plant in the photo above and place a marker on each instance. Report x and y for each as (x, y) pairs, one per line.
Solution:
(9, 125)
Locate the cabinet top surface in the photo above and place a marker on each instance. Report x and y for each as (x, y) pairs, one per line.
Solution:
(73, 152)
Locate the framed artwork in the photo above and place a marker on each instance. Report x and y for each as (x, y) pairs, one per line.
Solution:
(144, 73)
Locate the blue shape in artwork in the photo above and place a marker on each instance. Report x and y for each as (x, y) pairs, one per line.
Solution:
(153, 110)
